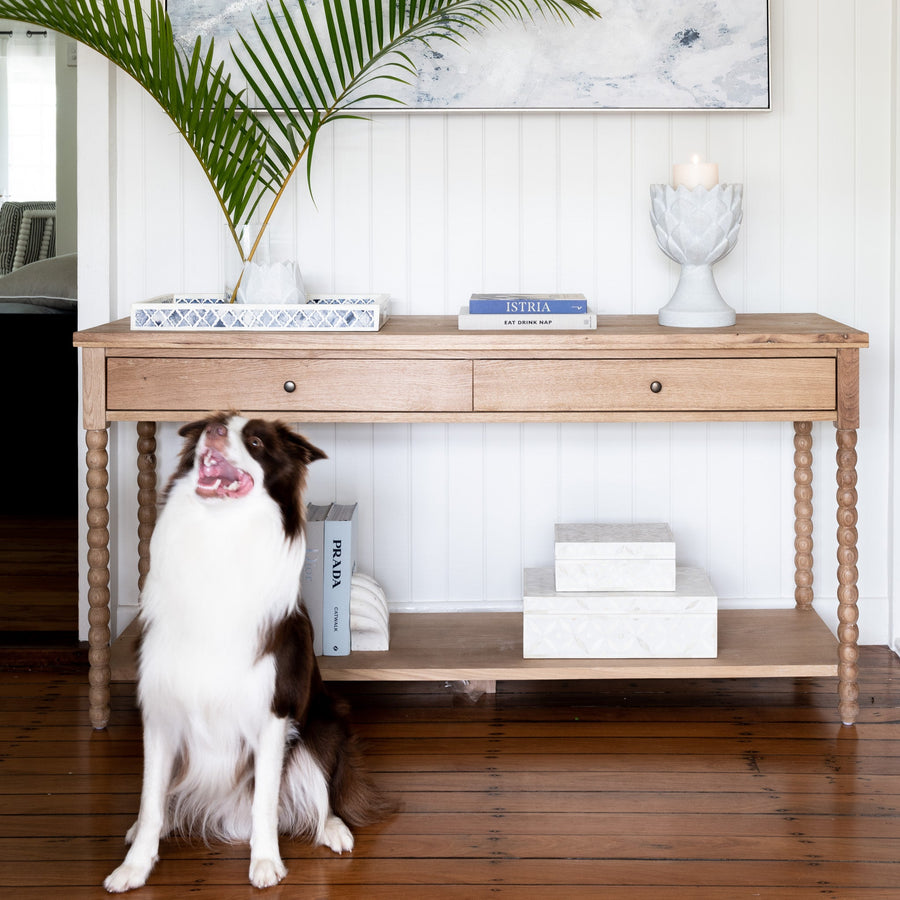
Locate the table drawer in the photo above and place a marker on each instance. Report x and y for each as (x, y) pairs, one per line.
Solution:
(393, 385)
(655, 385)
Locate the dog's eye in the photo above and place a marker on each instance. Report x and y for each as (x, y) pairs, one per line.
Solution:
(255, 443)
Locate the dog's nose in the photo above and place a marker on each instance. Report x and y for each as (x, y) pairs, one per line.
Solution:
(217, 436)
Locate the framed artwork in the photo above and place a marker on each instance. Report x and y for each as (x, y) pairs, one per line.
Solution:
(641, 55)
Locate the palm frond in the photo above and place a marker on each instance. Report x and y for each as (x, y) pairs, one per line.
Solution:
(229, 140)
(367, 40)
(304, 71)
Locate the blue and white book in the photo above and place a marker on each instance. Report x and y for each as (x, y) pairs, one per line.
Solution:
(527, 304)
(312, 580)
(340, 561)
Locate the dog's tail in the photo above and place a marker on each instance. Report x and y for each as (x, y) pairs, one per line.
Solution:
(352, 793)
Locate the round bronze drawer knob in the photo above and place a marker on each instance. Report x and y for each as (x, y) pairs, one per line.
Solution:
(656, 387)
(290, 387)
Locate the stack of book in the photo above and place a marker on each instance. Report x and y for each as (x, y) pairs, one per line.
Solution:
(327, 572)
(526, 312)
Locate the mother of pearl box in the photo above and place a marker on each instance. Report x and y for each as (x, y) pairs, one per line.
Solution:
(619, 624)
(602, 557)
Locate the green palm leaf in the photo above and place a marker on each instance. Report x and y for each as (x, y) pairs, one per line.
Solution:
(229, 140)
(366, 56)
(305, 73)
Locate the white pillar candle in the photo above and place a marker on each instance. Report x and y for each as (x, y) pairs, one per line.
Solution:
(695, 173)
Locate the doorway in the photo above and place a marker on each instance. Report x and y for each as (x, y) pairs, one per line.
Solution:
(39, 502)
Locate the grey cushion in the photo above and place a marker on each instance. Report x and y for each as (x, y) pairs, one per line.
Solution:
(49, 282)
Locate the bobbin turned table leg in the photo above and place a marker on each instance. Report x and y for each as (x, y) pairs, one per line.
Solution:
(146, 446)
(803, 510)
(848, 613)
(98, 574)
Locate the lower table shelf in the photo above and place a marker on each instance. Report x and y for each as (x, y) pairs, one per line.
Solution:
(488, 647)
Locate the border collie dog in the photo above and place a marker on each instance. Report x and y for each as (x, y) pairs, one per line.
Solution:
(241, 739)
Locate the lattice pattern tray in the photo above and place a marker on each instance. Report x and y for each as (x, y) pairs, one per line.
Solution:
(321, 312)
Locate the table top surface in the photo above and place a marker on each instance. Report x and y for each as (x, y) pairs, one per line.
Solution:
(757, 331)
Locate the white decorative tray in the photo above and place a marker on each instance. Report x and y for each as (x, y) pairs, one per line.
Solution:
(208, 312)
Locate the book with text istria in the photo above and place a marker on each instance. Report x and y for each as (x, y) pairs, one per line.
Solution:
(527, 304)
(312, 581)
(340, 559)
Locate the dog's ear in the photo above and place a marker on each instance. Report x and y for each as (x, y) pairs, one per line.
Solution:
(193, 430)
(301, 448)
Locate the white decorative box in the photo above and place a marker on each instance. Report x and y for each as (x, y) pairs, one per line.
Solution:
(620, 624)
(600, 557)
(210, 312)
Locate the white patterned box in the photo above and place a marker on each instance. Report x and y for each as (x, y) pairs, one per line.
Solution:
(601, 557)
(622, 624)
(210, 312)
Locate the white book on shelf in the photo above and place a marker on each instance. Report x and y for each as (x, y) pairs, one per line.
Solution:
(340, 560)
(312, 581)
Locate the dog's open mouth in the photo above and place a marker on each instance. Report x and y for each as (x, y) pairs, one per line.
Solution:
(219, 478)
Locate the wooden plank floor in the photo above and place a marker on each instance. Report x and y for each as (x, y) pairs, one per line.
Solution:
(38, 573)
(39, 589)
(725, 789)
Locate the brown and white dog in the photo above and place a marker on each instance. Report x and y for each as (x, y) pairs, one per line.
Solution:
(241, 739)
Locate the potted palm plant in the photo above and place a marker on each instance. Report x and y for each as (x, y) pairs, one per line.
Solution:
(305, 73)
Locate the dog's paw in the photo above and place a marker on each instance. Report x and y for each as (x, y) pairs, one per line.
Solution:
(127, 878)
(337, 835)
(266, 872)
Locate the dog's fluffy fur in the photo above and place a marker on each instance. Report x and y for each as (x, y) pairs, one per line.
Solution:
(241, 739)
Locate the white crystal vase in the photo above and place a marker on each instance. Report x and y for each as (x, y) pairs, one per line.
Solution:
(696, 228)
(271, 278)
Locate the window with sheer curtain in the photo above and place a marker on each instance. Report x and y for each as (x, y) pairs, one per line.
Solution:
(27, 113)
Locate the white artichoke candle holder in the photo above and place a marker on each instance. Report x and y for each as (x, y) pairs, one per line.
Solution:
(696, 228)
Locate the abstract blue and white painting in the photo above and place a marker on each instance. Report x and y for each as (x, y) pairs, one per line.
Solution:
(642, 54)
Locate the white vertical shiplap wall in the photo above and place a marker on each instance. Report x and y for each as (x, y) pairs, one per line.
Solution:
(894, 458)
(431, 207)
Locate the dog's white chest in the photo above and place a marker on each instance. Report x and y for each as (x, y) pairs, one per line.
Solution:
(221, 573)
(225, 558)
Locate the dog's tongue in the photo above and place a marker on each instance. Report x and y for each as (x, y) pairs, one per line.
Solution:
(219, 478)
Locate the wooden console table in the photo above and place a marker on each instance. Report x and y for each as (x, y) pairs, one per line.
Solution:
(792, 368)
